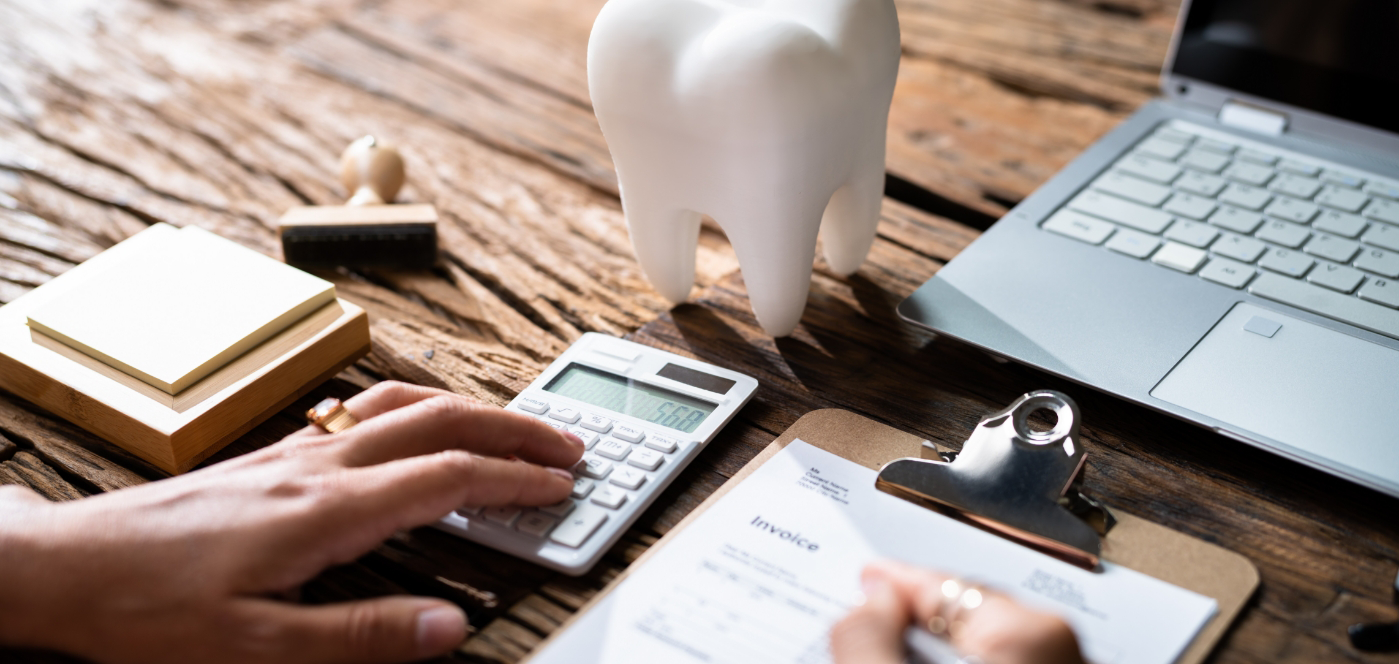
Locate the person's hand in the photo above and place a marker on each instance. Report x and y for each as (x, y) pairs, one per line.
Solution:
(187, 569)
(999, 631)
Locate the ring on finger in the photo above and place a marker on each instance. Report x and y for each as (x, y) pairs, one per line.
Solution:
(957, 597)
(332, 415)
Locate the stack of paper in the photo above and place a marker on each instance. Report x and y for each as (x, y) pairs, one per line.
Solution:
(182, 308)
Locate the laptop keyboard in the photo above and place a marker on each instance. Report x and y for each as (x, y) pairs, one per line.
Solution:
(1286, 227)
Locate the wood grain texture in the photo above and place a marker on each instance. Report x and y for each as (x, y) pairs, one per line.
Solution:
(118, 114)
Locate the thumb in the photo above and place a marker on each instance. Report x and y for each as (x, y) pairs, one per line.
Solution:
(375, 631)
(873, 632)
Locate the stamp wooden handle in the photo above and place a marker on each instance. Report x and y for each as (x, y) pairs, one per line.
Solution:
(372, 171)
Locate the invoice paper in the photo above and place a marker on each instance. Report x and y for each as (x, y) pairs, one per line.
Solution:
(763, 574)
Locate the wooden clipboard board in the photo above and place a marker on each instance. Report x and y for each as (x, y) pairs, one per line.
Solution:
(1152, 549)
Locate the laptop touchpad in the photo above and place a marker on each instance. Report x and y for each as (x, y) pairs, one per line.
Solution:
(1320, 391)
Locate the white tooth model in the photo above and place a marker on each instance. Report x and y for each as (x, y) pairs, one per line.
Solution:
(767, 115)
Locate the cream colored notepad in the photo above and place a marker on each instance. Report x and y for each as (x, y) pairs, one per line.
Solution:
(183, 307)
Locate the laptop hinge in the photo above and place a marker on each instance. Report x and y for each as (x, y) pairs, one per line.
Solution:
(1252, 118)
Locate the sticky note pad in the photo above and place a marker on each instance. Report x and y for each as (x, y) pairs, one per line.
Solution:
(181, 308)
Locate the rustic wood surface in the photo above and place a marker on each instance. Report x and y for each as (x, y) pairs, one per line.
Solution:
(115, 114)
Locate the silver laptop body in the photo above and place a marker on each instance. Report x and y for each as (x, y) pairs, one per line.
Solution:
(1224, 255)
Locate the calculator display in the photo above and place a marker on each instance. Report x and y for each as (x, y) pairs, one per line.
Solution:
(624, 395)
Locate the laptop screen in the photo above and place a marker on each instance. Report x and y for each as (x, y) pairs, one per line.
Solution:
(1338, 57)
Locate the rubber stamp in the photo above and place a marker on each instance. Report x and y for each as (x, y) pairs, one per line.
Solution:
(369, 230)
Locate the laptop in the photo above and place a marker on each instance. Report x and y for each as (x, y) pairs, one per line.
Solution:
(1229, 255)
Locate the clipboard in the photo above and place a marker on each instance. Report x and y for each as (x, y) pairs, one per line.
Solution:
(1147, 547)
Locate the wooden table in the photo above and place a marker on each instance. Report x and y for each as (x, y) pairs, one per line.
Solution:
(115, 114)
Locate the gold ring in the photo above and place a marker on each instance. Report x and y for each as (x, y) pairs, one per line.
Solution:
(332, 415)
(961, 597)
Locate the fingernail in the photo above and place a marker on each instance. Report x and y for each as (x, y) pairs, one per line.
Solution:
(440, 629)
(573, 438)
(870, 586)
(562, 473)
(873, 584)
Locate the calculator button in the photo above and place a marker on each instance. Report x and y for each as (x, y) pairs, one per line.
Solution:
(594, 467)
(503, 514)
(535, 524)
(563, 507)
(565, 415)
(613, 449)
(610, 497)
(646, 458)
(577, 528)
(628, 433)
(597, 423)
(663, 443)
(560, 426)
(468, 512)
(582, 486)
(628, 478)
(589, 438)
(536, 406)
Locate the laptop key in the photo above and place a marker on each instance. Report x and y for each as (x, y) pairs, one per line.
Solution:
(1383, 236)
(1244, 196)
(1153, 169)
(1216, 146)
(1318, 300)
(1341, 198)
(1286, 261)
(1209, 162)
(1234, 219)
(1340, 223)
(1187, 205)
(1078, 226)
(1201, 184)
(1247, 173)
(1299, 168)
(1159, 147)
(1228, 273)
(1132, 188)
(1382, 291)
(1338, 278)
(1121, 211)
(1379, 261)
(1383, 210)
(1179, 257)
(1381, 188)
(1332, 248)
(1239, 248)
(1285, 233)
(1173, 135)
(1293, 185)
(1292, 209)
(1257, 157)
(1133, 243)
(1342, 179)
(1192, 233)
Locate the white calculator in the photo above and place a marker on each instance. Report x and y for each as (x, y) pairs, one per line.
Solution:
(643, 414)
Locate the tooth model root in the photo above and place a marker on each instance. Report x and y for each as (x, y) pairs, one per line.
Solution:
(665, 239)
(767, 115)
(849, 225)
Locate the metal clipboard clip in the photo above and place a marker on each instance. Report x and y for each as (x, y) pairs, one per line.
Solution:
(1013, 481)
